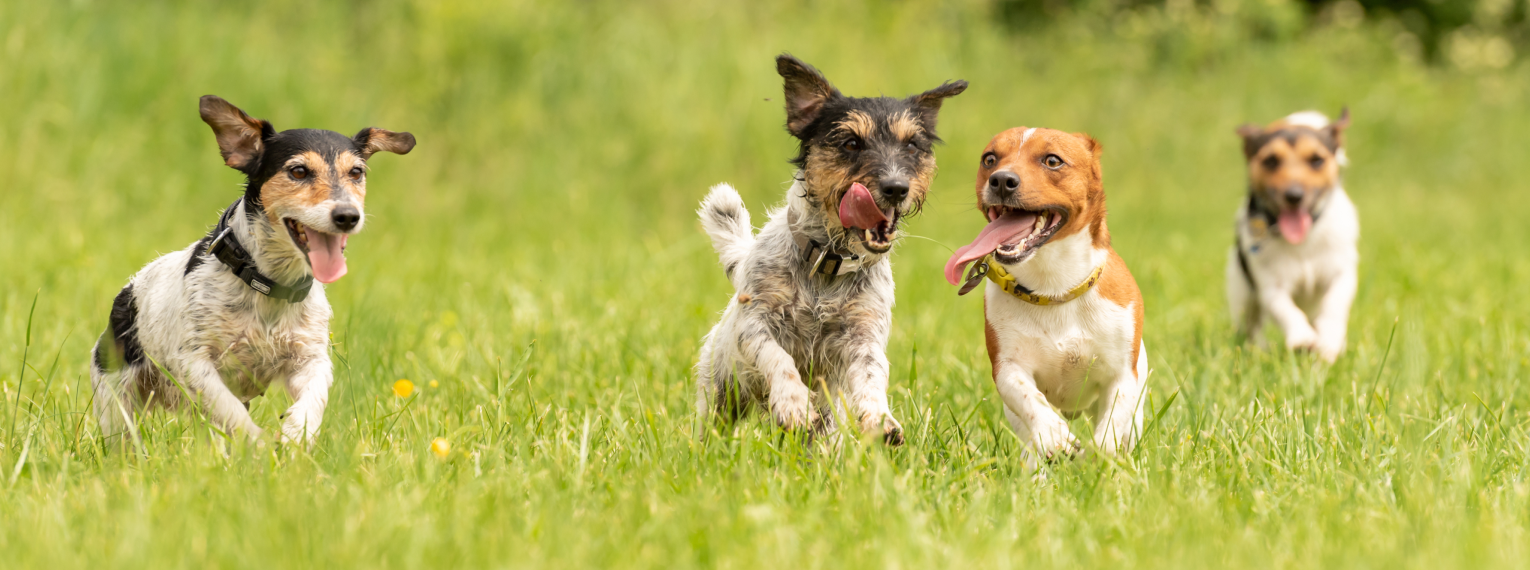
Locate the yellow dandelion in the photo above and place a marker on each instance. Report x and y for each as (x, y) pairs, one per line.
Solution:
(403, 388)
(440, 447)
(434, 384)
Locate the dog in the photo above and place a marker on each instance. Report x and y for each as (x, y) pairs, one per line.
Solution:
(1063, 315)
(1294, 259)
(213, 325)
(806, 333)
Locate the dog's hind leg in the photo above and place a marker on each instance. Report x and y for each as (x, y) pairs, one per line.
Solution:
(1242, 304)
(114, 404)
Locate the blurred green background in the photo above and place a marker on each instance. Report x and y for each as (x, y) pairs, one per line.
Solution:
(537, 257)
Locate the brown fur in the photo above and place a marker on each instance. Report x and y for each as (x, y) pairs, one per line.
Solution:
(1076, 187)
(284, 193)
(905, 126)
(1282, 155)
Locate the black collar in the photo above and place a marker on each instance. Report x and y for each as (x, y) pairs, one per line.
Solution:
(226, 247)
(822, 259)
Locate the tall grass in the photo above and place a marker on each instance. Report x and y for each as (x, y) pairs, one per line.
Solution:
(537, 258)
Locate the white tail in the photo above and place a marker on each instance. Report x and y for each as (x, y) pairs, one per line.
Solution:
(724, 218)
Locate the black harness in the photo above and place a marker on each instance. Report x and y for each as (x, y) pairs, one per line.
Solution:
(226, 247)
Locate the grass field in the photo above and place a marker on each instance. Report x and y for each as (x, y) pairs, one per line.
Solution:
(535, 268)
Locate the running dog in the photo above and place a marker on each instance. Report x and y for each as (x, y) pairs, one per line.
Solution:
(806, 333)
(1294, 259)
(214, 324)
(1063, 316)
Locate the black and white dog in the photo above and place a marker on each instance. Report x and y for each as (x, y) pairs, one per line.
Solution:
(237, 310)
(808, 327)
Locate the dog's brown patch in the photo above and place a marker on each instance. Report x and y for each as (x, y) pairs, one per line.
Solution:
(239, 135)
(859, 124)
(1117, 286)
(1076, 187)
(991, 340)
(285, 192)
(905, 126)
(1284, 156)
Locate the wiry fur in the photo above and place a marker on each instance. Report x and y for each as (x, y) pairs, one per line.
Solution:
(807, 347)
(221, 342)
(1306, 289)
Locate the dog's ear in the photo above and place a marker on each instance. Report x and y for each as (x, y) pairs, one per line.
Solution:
(240, 136)
(928, 103)
(1336, 128)
(371, 140)
(1251, 134)
(806, 92)
(1095, 148)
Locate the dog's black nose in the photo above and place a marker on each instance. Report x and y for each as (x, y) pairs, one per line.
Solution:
(1294, 195)
(345, 217)
(1004, 180)
(894, 189)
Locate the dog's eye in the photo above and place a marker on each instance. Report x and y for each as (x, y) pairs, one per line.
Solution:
(912, 148)
(1316, 162)
(356, 173)
(1271, 162)
(1052, 161)
(299, 172)
(852, 144)
(989, 160)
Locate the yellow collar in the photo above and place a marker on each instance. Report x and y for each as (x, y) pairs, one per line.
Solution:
(1009, 284)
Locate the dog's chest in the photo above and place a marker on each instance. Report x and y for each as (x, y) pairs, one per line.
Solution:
(1071, 350)
(252, 351)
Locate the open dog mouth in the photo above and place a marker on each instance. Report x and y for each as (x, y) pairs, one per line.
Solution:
(1012, 236)
(877, 226)
(325, 251)
(1035, 229)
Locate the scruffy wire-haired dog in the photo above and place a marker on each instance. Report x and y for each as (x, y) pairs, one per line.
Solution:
(1295, 259)
(237, 310)
(807, 331)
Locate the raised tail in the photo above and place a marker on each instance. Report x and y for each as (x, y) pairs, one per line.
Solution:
(724, 218)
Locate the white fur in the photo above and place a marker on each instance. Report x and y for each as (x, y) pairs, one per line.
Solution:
(806, 347)
(1073, 357)
(222, 342)
(1306, 289)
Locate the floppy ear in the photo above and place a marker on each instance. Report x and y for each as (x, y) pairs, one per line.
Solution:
(1250, 134)
(928, 103)
(1094, 146)
(806, 92)
(371, 140)
(1336, 128)
(239, 135)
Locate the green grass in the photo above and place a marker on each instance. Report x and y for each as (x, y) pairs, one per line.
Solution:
(538, 257)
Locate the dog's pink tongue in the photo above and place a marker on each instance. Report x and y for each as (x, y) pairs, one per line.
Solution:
(1006, 229)
(326, 252)
(859, 210)
(1294, 225)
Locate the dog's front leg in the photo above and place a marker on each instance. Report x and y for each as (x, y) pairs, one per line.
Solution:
(309, 389)
(1044, 432)
(223, 408)
(1293, 322)
(1332, 319)
(791, 403)
(866, 376)
(1118, 413)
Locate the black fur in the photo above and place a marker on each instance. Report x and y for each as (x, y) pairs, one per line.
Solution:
(199, 253)
(122, 331)
(1326, 136)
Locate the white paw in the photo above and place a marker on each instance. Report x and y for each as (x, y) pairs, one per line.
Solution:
(299, 428)
(885, 425)
(792, 405)
(1329, 348)
(1301, 340)
(1052, 439)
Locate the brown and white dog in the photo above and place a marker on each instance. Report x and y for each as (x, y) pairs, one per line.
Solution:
(1295, 260)
(1063, 314)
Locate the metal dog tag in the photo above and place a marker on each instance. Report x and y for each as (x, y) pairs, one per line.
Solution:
(975, 276)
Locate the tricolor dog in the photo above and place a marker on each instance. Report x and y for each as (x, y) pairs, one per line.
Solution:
(238, 309)
(1063, 314)
(806, 332)
(1295, 261)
